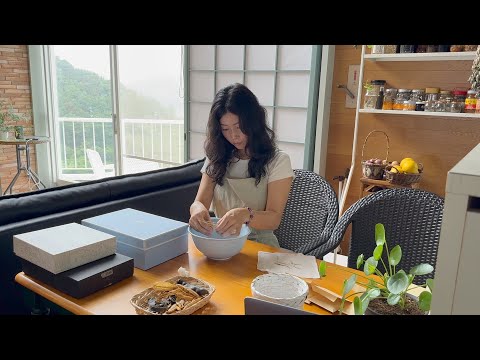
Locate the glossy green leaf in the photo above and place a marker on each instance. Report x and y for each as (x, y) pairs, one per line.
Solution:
(357, 306)
(398, 283)
(395, 255)
(377, 253)
(365, 303)
(393, 299)
(421, 269)
(370, 266)
(379, 234)
(322, 268)
(359, 261)
(373, 293)
(430, 284)
(348, 284)
(424, 300)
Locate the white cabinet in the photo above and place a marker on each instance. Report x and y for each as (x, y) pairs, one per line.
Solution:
(456, 289)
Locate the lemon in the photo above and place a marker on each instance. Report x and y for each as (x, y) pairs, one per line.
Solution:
(404, 160)
(396, 169)
(410, 167)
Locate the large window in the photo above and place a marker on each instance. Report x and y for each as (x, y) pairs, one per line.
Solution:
(118, 109)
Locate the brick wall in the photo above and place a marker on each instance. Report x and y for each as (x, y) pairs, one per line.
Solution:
(15, 88)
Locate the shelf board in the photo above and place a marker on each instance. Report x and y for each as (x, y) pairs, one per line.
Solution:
(419, 113)
(438, 56)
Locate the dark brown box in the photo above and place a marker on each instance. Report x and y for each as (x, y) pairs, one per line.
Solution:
(86, 279)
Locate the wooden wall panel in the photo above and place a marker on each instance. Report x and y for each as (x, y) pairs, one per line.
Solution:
(438, 143)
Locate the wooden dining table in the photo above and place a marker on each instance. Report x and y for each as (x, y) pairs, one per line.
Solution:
(231, 278)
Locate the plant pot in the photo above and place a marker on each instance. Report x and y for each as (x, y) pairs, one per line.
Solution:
(411, 309)
(4, 135)
(19, 134)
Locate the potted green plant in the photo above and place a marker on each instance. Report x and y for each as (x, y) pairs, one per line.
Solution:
(7, 114)
(387, 293)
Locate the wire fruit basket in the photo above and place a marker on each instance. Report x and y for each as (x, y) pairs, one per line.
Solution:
(373, 170)
(170, 297)
(403, 179)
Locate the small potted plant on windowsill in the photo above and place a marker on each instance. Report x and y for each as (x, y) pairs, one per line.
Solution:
(7, 114)
(387, 293)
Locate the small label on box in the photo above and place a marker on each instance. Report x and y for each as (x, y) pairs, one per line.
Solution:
(106, 273)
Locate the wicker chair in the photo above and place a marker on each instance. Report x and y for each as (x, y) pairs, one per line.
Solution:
(310, 214)
(412, 219)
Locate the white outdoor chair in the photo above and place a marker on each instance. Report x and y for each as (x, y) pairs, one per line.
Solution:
(100, 170)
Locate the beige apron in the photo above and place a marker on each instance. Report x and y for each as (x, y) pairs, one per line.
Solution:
(237, 193)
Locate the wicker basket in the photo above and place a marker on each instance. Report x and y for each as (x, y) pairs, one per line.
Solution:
(374, 171)
(403, 179)
(140, 301)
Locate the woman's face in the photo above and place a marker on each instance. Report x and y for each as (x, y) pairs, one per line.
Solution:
(230, 126)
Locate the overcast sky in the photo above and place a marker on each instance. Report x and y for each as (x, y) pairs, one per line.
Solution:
(152, 70)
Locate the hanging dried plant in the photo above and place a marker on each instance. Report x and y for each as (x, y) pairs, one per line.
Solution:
(474, 78)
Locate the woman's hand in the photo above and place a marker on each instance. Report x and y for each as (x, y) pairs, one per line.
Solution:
(231, 223)
(200, 220)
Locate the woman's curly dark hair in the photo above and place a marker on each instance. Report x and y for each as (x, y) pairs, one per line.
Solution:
(261, 147)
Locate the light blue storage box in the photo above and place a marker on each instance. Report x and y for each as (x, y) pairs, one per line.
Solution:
(149, 239)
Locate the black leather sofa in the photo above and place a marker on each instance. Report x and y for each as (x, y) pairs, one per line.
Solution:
(165, 192)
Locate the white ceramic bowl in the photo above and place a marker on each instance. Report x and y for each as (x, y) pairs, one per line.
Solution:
(218, 247)
(284, 289)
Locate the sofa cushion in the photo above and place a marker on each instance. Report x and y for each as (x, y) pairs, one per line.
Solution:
(136, 184)
(14, 209)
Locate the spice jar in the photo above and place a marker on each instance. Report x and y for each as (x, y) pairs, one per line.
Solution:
(470, 47)
(456, 48)
(444, 101)
(417, 95)
(389, 49)
(471, 101)
(377, 49)
(458, 103)
(432, 48)
(388, 99)
(420, 106)
(402, 96)
(431, 98)
(477, 109)
(407, 48)
(372, 93)
(444, 48)
(421, 48)
(409, 105)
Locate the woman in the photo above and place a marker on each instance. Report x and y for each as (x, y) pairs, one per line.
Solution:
(245, 174)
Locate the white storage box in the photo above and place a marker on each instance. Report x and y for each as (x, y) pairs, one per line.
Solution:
(149, 239)
(64, 247)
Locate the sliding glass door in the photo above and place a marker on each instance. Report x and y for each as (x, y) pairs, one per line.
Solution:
(117, 109)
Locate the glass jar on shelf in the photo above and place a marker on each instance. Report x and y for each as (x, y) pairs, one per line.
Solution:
(443, 48)
(471, 101)
(431, 98)
(377, 49)
(470, 48)
(477, 108)
(402, 96)
(417, 95)
(372, 93)
(389, 49)
(443, 103)
(388, 99)
(458, 102)
(456, 48)
(407, 48)
(420, 106)
(409, 105)
(421, 48)
(432, 48)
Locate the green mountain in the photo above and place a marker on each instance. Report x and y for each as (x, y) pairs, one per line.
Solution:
(82, 93)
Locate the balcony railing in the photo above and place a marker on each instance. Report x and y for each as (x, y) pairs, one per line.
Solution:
(146, 144)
